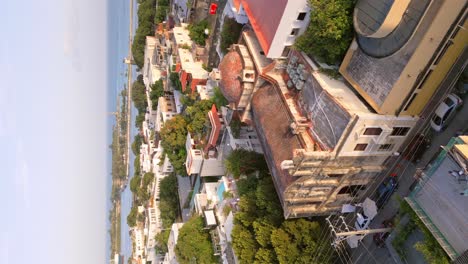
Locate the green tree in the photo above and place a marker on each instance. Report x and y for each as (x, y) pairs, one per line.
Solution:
(148, 178)
(197, 116)
(218, 98)
(135, 183)
(169, 200)
(197, 32)
(244, 244)
(330, 30)
(193, 243)
(175, 81)
(139, 96)
(243, 162)
(157, 90)
(230, 33)
(146, 12)
(132, 216)
(136, 144)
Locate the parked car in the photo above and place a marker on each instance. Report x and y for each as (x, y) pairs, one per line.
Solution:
(362, 221)
(445, 112)
(385, 190)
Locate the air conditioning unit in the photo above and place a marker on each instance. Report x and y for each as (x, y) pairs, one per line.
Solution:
(300, 85)
(287, 164)
(248, 76)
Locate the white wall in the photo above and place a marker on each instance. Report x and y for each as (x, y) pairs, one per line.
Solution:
(387, 123)
(288, 22)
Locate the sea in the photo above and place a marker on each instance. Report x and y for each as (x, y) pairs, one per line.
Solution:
(118, 36)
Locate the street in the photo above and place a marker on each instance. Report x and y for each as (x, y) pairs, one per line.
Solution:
(405, 170)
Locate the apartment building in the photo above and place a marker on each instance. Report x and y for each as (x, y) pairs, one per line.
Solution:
(205, 159)
(322, 142)
(404, 51)
(277, 23)
(170, 257)
(165, 110)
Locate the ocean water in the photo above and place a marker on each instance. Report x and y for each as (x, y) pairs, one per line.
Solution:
(118, 35)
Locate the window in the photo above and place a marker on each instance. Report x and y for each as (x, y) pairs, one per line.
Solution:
(385, 147)
(335, 175)
(285, 52)
(351, 189)
(373, 131)
(410, 101)
(449, 102)
(301, 16)
(294, 31)
(400, 131)
(360, 147)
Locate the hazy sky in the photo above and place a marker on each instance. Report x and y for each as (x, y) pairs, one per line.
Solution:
(53, 131)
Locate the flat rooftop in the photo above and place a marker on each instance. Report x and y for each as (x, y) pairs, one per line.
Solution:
(181, 35)
(188, 64)
(440, 198)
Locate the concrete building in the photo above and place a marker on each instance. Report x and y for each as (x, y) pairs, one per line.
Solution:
(154, 61)
(246, 137)
(440, 197)
(404, 51)
(276, 23)
(166, 110)
(322, 143)
(170, 257)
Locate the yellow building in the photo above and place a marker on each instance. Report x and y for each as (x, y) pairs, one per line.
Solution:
(399, 60)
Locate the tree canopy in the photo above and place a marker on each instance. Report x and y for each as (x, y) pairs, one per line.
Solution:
(169, 200)
(260, 233)
(242, 162)
(197, 32)
(157, 90)
(230, 33)
(193, 243)
(330, 30)
(139, 95)
(146, 14)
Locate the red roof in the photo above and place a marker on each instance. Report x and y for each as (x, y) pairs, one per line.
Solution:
(195, 82)
(177, 67)
(215, 127)
(231, 69)
(271, 119)
(265, 16)
(183, 80)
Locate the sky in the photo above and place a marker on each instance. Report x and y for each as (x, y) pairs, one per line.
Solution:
(53, 116)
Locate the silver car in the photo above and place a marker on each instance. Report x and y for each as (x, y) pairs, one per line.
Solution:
(445, 112)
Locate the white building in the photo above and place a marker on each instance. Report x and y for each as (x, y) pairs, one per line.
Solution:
(170, 257)
(247, 138)
(152, 66)
(139, 239)
(165, 111)
(277, 23)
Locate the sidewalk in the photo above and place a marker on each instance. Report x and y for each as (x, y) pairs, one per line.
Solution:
(369, 253)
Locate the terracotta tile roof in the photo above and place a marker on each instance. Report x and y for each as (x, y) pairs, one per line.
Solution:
(195, 82)
(231, 69)
(183, 80)
(177, 67)
(271, 119)
(265, 16)
(215, 128)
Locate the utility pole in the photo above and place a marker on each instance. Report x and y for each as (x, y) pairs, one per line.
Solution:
(342, 232)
